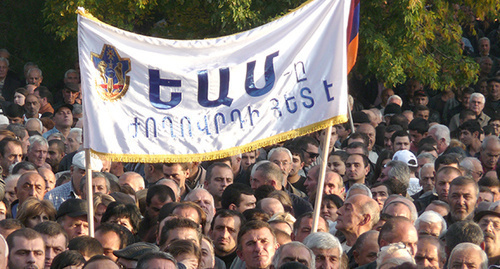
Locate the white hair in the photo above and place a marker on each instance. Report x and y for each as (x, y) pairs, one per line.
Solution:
(441, 132)
(396, 97)
(257, 166)
(322, 240)
(37, 139)
(279, 149)
(431, 217)
(395, 253)
(78, 131)
(477, 95)
(362, 187)
(425, 166)
(468, 246)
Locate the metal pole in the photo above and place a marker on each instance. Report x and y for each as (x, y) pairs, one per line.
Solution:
(321, 179)
(90, 200)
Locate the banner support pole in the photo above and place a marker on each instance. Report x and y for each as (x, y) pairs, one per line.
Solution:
(350, 116)
(321, 179)
(90, 200)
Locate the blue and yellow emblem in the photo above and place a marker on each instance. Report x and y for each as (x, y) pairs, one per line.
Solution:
(112, 82)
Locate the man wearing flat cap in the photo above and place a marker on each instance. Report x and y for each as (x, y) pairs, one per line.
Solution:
(489, 221)
(72, 189)
(72, 216)
(128, 256)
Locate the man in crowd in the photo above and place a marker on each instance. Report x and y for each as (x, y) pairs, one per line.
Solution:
(26, 249)
(63, 119)
(256, 237)
(224, 234)
(219, 176)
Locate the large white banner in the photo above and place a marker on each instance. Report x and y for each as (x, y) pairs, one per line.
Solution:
(147, 99)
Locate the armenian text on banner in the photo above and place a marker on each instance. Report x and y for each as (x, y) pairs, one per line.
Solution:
(148, 99)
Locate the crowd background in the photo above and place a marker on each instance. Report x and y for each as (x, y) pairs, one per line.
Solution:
(412, 184)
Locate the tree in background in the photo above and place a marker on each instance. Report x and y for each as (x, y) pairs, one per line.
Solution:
(398, 39)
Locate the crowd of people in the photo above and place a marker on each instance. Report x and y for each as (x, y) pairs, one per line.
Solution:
(412, 182)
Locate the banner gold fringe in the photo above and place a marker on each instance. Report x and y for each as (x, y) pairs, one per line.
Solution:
(182, 158)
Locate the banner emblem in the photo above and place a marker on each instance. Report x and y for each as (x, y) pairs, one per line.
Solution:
(112, 82)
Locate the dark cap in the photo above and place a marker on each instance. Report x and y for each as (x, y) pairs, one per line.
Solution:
(420, 93)
(495, 79)
(360, 117)
(493, 210)
(70, 107)
(72, 87)
(73, 208)
(392, 109)
(135, 251)
(14, 111)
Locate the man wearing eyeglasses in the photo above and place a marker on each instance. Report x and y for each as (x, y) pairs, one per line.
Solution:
(489, 221)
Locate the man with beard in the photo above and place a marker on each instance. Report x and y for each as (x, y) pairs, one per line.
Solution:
(489, 221)
(224, 234)
(462, 199)
(157, 196)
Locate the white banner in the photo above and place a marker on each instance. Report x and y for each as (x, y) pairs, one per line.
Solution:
(147, 99)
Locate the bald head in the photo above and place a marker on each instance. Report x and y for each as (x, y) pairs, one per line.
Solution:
(271, 206)
(132, 179)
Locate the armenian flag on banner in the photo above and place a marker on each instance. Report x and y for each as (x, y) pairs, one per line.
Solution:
(352, 34)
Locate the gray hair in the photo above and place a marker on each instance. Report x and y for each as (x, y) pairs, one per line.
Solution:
(294, 244)
(484, 38)
(413, 211)
(171, 180)
(279, 149)
(489, 139)
(358, 186)
(69, 72)
(399, 171)
(77, 109)
(477, 95)
(387, 253)
(467, 246)
(78, 131)
(322, 240)
(35, 69)
(425, 166)
(5, 60)
(12, 177)
(58, 136)
(38, 139)
(431, 217)
(468, 165)
(96, 175)
(426, 155)
(441, 132)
